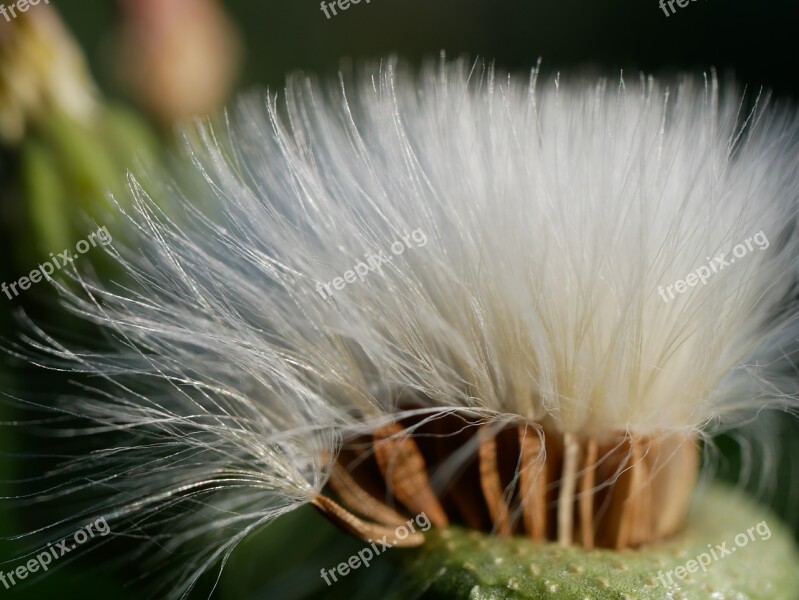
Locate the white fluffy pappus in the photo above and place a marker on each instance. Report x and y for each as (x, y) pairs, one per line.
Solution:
(552, 210)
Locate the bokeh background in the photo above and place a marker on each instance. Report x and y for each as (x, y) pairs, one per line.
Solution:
(756, 40)
(141, 71)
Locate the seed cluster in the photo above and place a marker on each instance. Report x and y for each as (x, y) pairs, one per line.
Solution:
(518, 478)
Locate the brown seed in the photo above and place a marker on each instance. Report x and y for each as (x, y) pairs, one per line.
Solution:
(340, 516)
(404, 469)
(617, 492)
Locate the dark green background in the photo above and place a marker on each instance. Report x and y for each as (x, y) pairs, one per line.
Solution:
(755, 39)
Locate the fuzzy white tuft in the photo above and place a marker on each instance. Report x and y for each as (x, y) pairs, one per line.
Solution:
(552, 211)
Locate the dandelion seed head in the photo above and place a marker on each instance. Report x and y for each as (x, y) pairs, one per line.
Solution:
(552, 210)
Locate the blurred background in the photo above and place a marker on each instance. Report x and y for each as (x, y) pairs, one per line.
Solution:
(93, 88)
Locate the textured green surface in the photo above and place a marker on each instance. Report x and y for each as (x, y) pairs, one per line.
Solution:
(455, 563)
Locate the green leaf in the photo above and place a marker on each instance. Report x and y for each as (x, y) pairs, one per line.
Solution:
(46, 203)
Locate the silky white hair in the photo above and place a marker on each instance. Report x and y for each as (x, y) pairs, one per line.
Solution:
(553, 210)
